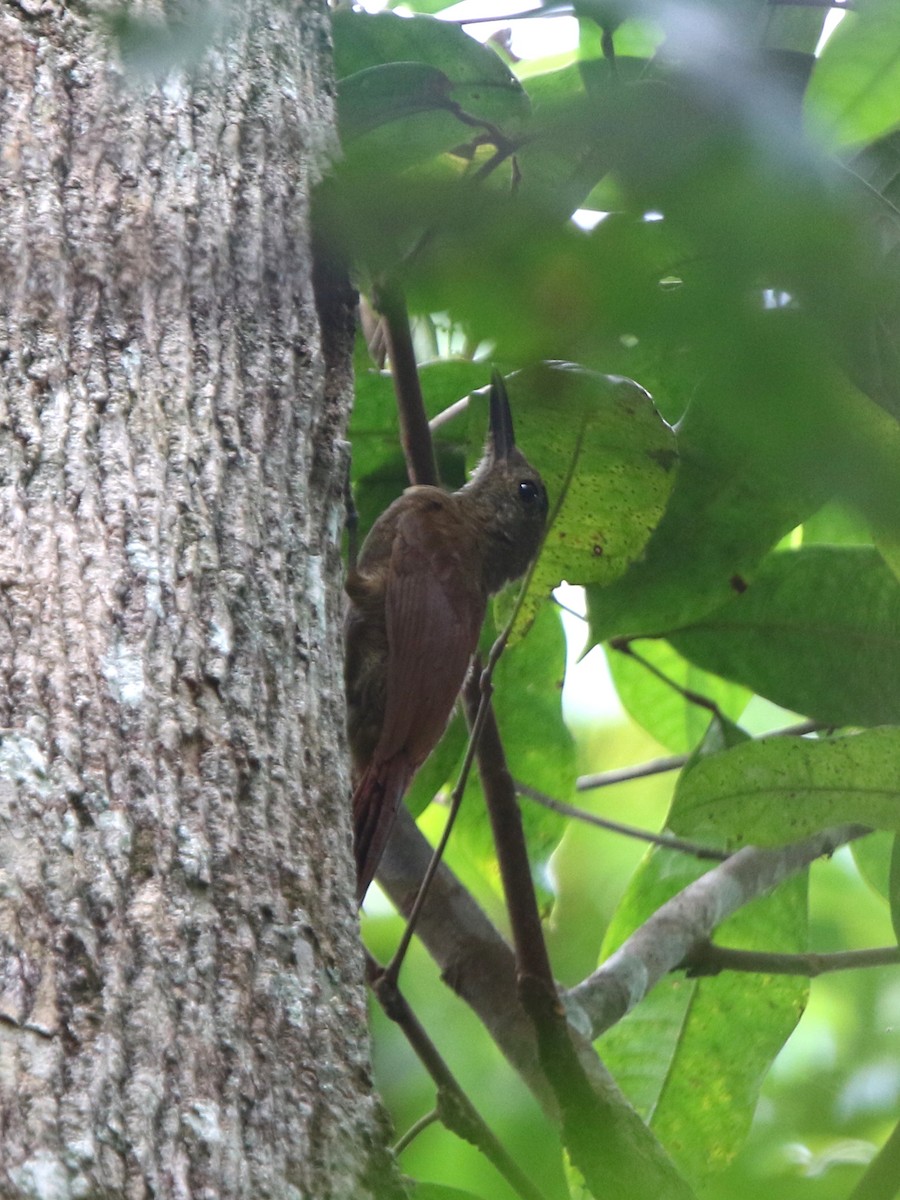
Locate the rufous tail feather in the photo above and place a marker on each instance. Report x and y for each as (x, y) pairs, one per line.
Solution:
(375, 803)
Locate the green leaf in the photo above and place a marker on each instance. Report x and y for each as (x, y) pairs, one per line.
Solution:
(479, 80)
(377, 95)
(873, 855)
(854, 94)
(692, 1056)
(737, 1025)
(817, 631)
(567, 150)
(608, 460)
(154, 47)
(749, 473)
(437, 1191)
(871, 335)
(778, 790)
(674, 721)
(836, 525)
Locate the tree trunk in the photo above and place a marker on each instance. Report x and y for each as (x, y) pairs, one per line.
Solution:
(181, 1007)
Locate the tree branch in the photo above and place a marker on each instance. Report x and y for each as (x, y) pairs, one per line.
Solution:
(414, 1130)
(478, 965)
(706, 958)
(421, 465)
(457, 1112)
(664, 941)
(474, 959)
(591, 1137)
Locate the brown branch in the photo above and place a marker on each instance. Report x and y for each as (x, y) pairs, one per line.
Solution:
(668, 841)
(589, 1136)
(457, 1112)
(421, 465)
(706, 958)
(532, 960)
(668, 937)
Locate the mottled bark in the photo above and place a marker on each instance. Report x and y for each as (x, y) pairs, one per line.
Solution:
(181, 1008)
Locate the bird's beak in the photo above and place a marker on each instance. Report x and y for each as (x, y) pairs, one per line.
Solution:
(502, 436)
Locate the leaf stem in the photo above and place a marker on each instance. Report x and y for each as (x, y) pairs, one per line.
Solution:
(667, 841)
(708, 959)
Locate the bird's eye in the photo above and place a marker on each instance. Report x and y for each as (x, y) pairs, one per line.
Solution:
(528, 491)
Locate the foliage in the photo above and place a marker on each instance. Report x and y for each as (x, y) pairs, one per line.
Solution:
(739, 532)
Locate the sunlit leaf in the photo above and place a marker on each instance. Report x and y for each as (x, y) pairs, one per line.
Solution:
(693, 1054)
(894, 886)
(780, 789)
(854, 94)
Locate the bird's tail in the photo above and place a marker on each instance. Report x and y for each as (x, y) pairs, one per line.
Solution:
(375, 802)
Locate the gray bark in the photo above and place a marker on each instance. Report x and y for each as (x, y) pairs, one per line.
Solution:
(181, 1007)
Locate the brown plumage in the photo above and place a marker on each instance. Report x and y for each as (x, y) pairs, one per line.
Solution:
(417, 600)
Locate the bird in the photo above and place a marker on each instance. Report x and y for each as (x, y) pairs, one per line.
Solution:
(417, 597)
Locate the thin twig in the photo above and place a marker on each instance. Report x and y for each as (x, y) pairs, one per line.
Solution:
(566, 609)
(655, 766)
(667, 841)
(557, 10)
(448, 414)
(414, 1130)
(674, 762)
(624, 646)
(706, 958)
(457, 1111)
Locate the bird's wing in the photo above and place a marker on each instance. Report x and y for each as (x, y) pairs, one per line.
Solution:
(434, 608)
